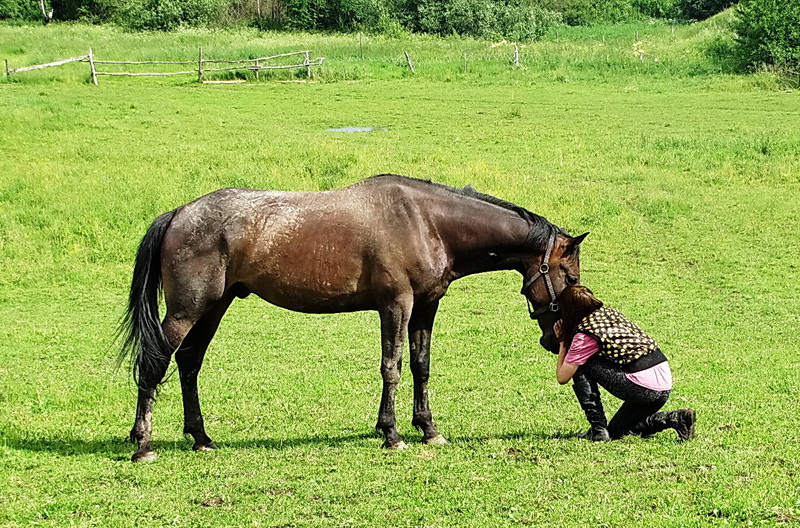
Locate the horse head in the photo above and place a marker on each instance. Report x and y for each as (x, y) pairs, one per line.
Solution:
(545, 279)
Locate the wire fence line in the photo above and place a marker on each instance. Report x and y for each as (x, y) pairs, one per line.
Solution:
(256, 65)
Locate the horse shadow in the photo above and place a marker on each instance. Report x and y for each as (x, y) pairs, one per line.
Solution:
(120, 449)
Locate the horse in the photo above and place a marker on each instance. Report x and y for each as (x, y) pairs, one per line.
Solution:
(389, 243)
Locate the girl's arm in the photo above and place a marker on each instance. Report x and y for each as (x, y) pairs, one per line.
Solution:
(564, 371)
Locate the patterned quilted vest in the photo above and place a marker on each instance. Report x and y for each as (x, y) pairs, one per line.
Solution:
(621, 341)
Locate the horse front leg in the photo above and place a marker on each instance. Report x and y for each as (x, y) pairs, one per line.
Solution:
(420, 328)
(394, 327)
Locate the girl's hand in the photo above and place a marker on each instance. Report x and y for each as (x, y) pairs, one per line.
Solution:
(557, 327)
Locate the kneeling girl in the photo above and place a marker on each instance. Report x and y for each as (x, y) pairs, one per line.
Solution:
(600, 346)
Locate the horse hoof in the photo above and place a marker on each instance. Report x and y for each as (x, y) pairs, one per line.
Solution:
(147, 456)
(397, 445)
(205, 447)
(436, 440)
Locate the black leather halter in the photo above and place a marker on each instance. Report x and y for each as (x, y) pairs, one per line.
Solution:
(544, 271)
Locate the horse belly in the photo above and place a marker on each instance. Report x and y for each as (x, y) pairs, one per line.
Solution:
(314, 270)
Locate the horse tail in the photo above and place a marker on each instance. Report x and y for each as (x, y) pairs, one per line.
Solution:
(143, 338)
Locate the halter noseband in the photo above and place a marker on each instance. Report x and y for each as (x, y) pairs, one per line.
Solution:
(544, 271)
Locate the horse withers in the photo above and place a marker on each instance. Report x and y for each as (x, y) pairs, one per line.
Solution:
(389, 243)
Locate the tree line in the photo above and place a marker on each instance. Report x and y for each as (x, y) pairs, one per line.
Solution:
(477, 18)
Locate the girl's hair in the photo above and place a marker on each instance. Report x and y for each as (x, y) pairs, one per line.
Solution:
(576, 303)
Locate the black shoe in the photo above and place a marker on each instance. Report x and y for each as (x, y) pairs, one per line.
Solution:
(595, 434)
(588, 395)
(683, 423)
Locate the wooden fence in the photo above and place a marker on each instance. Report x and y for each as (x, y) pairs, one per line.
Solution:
(256, 65)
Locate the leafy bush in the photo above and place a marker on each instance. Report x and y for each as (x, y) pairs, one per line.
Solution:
(656, 8)
(526, 23)
(337, 15)
(702, 9)
(167, 15)
(516, 20)
(769, 33)
(592, 12)
(94, 11)
(304, 14)
(349, 15)
(19, 10)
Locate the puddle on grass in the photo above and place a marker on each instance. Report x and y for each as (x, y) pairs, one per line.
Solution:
(358, 129)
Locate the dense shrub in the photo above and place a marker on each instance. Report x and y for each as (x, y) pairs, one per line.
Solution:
(26, 10)
(526, 23)
(95, 11)
(348, 15)
(701, 9)
(304, 14)
(337, 15)
(592, 12)
(89, 10)
(166, 15)
(515, 19)
(656, 8)
(769, 33)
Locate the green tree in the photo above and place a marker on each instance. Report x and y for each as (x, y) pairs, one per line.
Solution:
(768, 32)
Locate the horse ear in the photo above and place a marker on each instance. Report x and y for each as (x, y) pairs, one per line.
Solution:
(575, 242)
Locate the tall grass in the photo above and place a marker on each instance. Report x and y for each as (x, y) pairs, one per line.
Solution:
(599, 54)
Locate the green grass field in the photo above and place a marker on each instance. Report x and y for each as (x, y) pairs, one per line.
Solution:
(688, 179)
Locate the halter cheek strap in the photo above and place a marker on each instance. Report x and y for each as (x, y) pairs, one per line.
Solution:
(544, 271)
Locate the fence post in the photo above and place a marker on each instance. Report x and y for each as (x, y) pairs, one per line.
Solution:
(408, 60)
(516, 55)
(8, 73)
(308, 66)
(258, 65)
(200, 66)
(91, 65)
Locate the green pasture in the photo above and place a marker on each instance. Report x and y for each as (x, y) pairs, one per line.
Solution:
(687, 178)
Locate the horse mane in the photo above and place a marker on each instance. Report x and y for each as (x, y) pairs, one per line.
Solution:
(540, 227)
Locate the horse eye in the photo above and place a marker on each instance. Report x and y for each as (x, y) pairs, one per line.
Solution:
(572, 280)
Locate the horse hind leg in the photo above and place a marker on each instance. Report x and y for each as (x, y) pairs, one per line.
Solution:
(189, 358)
(188, 301)
(151, 374)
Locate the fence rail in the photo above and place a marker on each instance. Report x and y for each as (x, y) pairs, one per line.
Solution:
(49, 64)
(242, 64)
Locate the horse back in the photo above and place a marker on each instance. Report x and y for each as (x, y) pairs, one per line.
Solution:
(326, 251)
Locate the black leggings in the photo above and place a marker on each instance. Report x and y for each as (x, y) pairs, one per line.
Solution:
(638, 402)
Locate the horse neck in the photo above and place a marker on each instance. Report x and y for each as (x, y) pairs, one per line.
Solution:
(490, 239)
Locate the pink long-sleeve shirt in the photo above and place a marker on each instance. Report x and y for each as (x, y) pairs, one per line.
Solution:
(584, 346)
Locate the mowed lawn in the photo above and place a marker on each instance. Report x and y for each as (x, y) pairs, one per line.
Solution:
(689, 187)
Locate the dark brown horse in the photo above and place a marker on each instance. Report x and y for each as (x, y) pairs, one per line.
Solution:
(389, 243)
